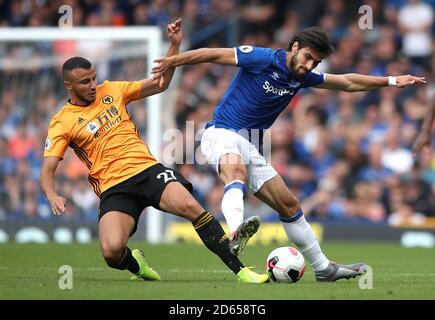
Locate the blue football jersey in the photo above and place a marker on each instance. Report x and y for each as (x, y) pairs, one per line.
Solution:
(260, 91)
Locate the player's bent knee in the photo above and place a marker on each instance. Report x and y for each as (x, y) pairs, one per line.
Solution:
(240, 174)
(291, 201)
(112, 253)
(234, 173)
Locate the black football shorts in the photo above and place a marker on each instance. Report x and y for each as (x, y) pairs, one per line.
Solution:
(145, 189)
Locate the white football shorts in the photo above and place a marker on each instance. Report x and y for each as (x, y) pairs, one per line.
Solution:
(216, 142)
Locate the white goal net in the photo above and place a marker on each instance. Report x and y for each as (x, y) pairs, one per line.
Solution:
(31, 91)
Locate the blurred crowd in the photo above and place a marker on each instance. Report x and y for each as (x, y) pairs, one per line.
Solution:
(347, 156)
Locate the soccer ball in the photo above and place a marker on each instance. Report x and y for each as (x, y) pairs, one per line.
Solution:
(285, 264)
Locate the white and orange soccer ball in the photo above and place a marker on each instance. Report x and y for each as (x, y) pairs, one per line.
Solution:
(285, 264)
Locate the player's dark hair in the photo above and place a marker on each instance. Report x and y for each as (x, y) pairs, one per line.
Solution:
(75, 63)
(313, 38)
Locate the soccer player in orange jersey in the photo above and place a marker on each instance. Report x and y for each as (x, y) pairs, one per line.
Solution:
(123, 173)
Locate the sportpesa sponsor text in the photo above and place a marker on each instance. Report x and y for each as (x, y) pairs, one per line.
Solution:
(279, 91)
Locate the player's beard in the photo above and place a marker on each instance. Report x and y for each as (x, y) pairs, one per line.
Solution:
(83, 98)
(293, 64)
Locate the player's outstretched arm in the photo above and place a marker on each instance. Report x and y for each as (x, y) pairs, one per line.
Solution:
(46, 180)
(424, 137)
(155, 85)
(202, 55)
(359, 82)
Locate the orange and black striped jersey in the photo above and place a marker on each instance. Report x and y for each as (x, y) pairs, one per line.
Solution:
(102, 135)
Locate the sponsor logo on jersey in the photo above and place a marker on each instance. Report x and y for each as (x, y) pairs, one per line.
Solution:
(103, 122)
(107, 99)
(278, 91)
(92, 127)
(275, 75)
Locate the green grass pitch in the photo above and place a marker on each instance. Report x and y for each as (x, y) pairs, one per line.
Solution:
(191, 272)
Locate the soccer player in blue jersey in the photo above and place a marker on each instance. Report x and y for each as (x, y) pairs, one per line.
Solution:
(259, 92)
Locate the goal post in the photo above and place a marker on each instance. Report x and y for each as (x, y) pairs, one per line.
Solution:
(151, 36)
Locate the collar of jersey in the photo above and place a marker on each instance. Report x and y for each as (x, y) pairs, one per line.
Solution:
(77, 105)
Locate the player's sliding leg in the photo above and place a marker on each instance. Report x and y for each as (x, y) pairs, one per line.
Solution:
(114, 230)
(275, 193)
(233, 173)
(213, 236)
(177, 200)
